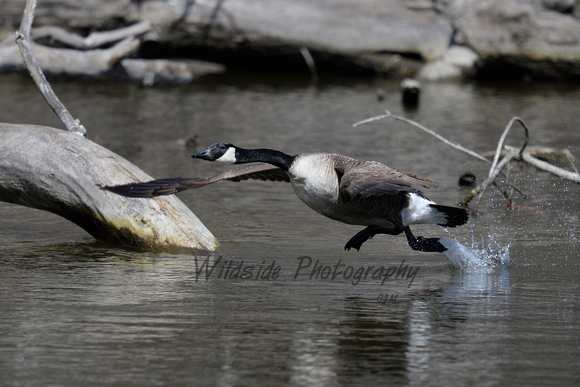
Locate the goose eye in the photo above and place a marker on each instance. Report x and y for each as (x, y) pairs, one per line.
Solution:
(222, 147)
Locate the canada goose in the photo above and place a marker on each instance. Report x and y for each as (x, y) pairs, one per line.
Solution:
(351, 191)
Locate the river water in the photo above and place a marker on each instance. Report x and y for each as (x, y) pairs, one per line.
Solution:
(285, 304)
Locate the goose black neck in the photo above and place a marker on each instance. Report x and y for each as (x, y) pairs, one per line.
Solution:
(270, 156)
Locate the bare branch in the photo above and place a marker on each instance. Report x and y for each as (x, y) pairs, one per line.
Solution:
(516, 154)
(431, 132)
(501, 141)
(22, 40)
(493, 172)
(496, 165)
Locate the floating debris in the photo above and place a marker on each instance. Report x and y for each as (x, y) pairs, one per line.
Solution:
(467, 180)
(411, 89)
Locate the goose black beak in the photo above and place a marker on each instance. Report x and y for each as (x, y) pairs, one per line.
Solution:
(204, 155)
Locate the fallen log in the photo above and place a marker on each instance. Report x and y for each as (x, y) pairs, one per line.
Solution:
(59, 171)
(112, 62)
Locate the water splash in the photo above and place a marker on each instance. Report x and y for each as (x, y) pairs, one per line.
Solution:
(480, 256)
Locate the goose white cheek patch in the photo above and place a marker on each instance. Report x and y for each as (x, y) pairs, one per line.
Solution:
(229, 157)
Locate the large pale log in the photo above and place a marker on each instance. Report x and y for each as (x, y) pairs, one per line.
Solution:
(59, 171)
(106, 63)
(513, 37)
(362, 33)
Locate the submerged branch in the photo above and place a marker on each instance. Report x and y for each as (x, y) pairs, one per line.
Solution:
(497, 167)
(514, 153)
(493, 172)
(545, 166)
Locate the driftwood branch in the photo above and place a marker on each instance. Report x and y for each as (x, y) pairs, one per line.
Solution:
(518, 155)
(500, 143)
(22, 39)
(60, 172)
(497, 165)
(106, 63)
(94, 40)
(83, 57)
(545, 166)
(493, 172)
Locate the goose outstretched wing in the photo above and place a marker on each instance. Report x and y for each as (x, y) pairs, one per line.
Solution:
(265, 172)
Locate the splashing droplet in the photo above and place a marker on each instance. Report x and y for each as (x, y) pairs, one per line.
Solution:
(476, 258)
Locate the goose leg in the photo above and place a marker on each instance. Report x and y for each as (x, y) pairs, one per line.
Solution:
(369, 232)
(424, 244)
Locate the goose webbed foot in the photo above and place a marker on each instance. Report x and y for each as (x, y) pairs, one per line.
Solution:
(369, 232)
(431, 245)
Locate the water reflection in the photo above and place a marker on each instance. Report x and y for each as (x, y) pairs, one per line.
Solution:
(151, 310)
(418, 351)
(314, 355)
(472, 309)
(372, 343)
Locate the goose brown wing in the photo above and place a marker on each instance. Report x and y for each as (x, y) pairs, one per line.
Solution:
(375, 179)
(174, 185)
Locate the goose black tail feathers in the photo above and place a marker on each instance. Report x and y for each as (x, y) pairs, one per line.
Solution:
(455, 216)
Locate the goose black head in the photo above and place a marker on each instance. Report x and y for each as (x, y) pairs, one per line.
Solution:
(222, 152)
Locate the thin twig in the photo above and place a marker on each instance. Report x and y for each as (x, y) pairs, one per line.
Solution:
(310, 62)
(570, 159)
(22, 40)
(431, 132)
